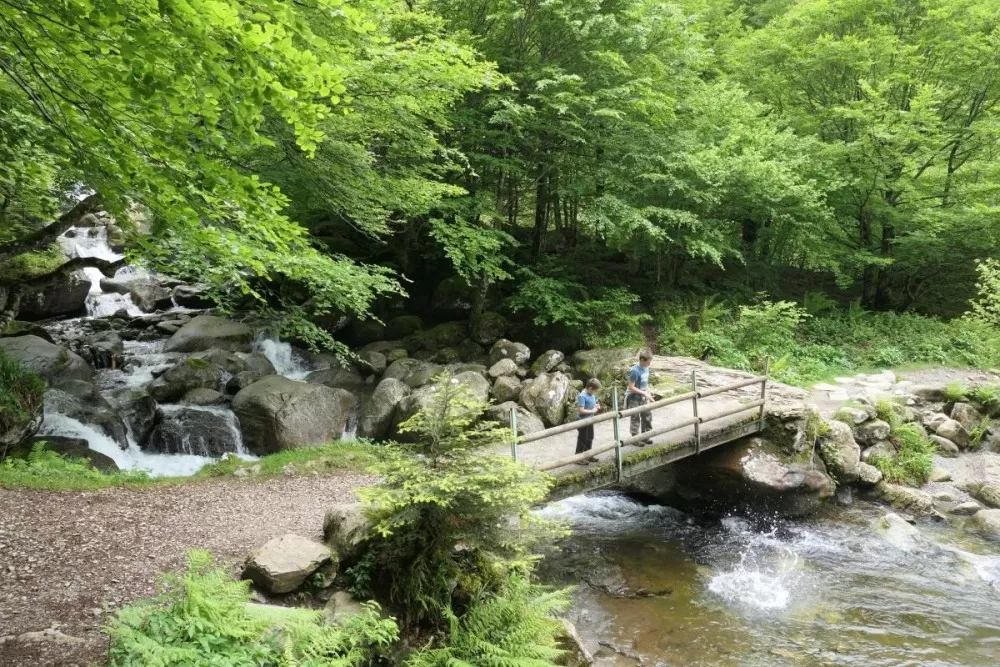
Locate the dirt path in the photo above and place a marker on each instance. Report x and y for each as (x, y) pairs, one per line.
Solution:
(64, 555)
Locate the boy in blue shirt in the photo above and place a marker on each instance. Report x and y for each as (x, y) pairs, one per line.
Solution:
(587, 406)
(638, 394)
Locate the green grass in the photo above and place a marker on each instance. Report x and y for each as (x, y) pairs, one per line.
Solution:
(21, 393)
(47, 470)
(914, 460)
(33, 264)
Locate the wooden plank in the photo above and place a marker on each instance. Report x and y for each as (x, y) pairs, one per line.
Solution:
(563, 428)
(740, 408)
(577, 458)
(663, 402)
(659, 431)
(704, 393)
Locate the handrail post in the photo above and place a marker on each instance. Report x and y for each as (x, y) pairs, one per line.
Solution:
(617, 430)
(513, 429)
(694, 407)
(763, 392)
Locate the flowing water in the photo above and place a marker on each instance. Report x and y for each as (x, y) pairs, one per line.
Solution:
(665, 588)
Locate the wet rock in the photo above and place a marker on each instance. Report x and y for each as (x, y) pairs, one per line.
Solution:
(194, 430)
(182, 378)
(868, 475)
(378, 413)
(345, 528)
(503, 368)
(898, 532)
(907, 499)
(52, 362)
(872, 432)
(256, 363)
(985, 492)
(853, 416)
(94, 411)
(150, 296)
(547, 361)
(527, 423)
(276, 413)
(229, 362)
(944, 446)
(966, 509)
(967, 416)
(412, 372)
(575, 653)
(373, 362)
(986, 523)
(840, 452)
(203, 396)
(68, 296)
(338, 378)
(74, 448)
(192, 296)
(492, 327)
(519, 353)
(954, 431)
(284, 563)
(206, 331)
(506, 389)
(137, 409)
(241, 381)
(546, 396)
(116, 286)
(17, 328)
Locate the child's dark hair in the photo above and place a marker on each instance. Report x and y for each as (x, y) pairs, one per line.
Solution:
(645, 355)
(593, 383)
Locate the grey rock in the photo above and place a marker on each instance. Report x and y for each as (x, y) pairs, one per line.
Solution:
(506, 389)
(68, 296)
(932, 393)
(966, 415)
(931, 420)
(182, 377)
(492, 327)
(52, 362)
(206, 331)
(94, 411)
(241, 381)
(379, 411)
(413, 372)
(137, 409)
(338, 378)
(373, 362)
(256, 362)
(116, 286)
(284, 563)
(868, 475)
(229, 362)
(519, 353)
(966, 509)
(105, 349)
(527, 423)
(150, 296)
(853, 416)
(606, 364)
(986, 523)
(907, 499)
(18, 328)
(276, 413)
(546, 396)
(341, 607)
(345, 529)
(954, 431)
(988, 493)
(898, 532)
(503, 368)
(203, 396)
(192, 296)
(547, 361)
(575, 654)
(944, 446)
(939, 475)
(840, 452)
(194, 430)
(872, 432)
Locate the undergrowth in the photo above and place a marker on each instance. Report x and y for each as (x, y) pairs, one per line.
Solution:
(914, 458)
(21, 394)
(339, 455)
(45, 469)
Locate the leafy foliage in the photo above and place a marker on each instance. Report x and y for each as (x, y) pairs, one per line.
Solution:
(201, 617)
(450, 521)
(46, 469)
(914, 457)
(20, 394)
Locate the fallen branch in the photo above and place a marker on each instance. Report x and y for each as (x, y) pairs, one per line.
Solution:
(47, 235)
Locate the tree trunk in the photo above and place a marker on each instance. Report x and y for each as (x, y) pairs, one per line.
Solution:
(868, 278)
(541, 213)
(478, 305)
(882, 297)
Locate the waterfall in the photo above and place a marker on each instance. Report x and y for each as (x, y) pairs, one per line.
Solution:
(93, 242)
(283, 358)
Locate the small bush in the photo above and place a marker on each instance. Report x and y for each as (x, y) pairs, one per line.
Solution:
(45, 469)
(32, 264)
(201, 617)
(914, 458)
(986, 397)
(21, 394)
(887, 411)
(955, 392)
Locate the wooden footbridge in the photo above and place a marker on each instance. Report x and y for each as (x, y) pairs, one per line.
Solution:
(716, 407)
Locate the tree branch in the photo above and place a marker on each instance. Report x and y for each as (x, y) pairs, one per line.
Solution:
(51, 278)
(47, 235)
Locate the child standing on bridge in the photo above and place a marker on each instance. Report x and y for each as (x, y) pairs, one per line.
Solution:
(638, 394)
(587, 406)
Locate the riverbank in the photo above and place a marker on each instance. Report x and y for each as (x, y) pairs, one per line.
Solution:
(67, 560)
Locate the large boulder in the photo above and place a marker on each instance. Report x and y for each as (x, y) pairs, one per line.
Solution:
(68, 296)
(372, 362)
(276, 413)
(872, 432)
(840, 453)
(519, 353)
(413, 372)
(986, 523)
(195, 430)
(379, 411)
(424, 398)
(753, 473)
(207, 331)
(338, 378)
(18, 328)
(944, 446)
(527, 423)
(93, 410)
(183, 377)
(931, 420)
(506, 389)
(546, 396)
(906, 499)
(969, 417)
(492, 327)
(151, 296)
(547, 361)
(987, 493)
(71, 448)
(137, 410)
(284, 563)
(898, 532)
(192, 296)
(104, 348)
(951, 429)
(52, 362)
(868, 475)
(502, 368)
(605, 364)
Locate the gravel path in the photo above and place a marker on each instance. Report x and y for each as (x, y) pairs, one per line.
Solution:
(64, 555)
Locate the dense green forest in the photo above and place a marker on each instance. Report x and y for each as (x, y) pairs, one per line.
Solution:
(600, 172)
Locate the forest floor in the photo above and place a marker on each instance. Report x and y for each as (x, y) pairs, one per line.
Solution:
(68, 560)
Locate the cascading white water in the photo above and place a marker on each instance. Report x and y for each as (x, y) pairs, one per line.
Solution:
(93, 242)
(132, 458)
(763, 576)
(283, 358)
(193, 443)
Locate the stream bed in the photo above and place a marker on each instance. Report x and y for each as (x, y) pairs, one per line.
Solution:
(660, 587)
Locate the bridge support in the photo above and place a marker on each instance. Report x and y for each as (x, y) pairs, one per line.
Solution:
(694, 407)
(617, 430)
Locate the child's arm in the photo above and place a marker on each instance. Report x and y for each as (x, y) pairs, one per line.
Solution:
(584, 410)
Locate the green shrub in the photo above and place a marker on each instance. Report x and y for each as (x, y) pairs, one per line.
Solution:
(446, 513)
(45, 469)
(986, 397)
(886, 410)
(914, 459)
(955, 392)
(512, 627)
(201, 617)
(21, 394)
(32, 264)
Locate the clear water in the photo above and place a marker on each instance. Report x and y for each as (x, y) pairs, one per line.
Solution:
(673, 590)
(285, 360)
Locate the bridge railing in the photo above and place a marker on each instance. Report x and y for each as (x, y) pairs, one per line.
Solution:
(616, 415)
